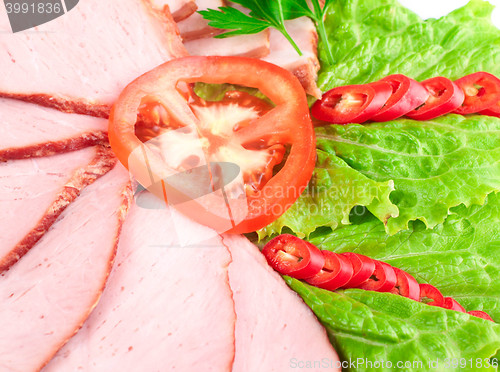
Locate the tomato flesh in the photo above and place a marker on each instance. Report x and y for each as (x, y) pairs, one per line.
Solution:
(482, 90)
(335, 273)
(351, 103)
(431, 292)
(407, 94)
(363, 268)
(256, 144)
(480, 314)
(292, 256)
(383, 278)
(444, 97)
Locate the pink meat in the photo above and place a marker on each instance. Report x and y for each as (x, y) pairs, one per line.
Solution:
(80, 62)
(34, 192)
(48, 294)
(274, 327)
(195, 27)
(27, 130)
(180, 9)
(256, 46)
(304, 67)
(166, 307)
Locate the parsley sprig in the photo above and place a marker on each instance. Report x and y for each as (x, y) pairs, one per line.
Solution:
(268, 13)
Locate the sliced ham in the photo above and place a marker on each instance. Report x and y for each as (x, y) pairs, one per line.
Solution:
(28, 131)
(166, 307)
(81, 61)
(274, 326)
(34, 192)
(195, 27)
(305, 67)
(180, 9)
(48, 294)
(255, 46)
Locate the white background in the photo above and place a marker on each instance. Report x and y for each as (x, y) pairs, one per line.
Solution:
(439, 8)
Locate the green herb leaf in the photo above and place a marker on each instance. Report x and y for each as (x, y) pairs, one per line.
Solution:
(380, 327)
(264, 14)
(233, 19)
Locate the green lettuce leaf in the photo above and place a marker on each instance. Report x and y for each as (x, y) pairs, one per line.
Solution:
(335, 189)
(435, 165)
(375, 38)
(383, 327)
(460, 257)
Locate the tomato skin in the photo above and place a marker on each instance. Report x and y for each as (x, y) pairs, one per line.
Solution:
(445, 96)
(386, 278)
(406, 285)
(407, 95)
(289, 123)
(452, 304)
(363, 101)
(477, 100)
(492, 110)
(480, 314)
(429, 291)
(293, 256)
(363, 268)
(337, 274)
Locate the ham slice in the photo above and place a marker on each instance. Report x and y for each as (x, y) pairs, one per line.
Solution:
(48, 294)
(180, 9)
(34, 192)
(80, 62)
(195, 27)
(28, 131)
(255, 46)
(166, 306)
(273, 325)
(305, 67)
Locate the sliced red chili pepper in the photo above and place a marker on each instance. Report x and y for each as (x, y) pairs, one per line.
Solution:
(292, 256)
(383, 278)
(444, 97)
(407, 94)
(452, 304)
(480, 314)
(431, 292)
(406, 285)
(335, 273)
(492, 110)
(351, 103)
(482, 90)
(363, 268)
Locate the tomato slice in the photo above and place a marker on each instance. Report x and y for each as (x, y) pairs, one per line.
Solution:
(363, 268)
(383, 278)
(431, 292)
(256, 141)
(407, 94)
(351, 103)
(482, 90)
(452, 304)
(406, 285)
(492, 110)
(335, 273)
(444, 97)
(292, 256)
(480, 314)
